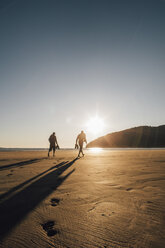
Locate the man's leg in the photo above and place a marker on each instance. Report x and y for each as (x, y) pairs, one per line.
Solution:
(53, 151)
(80, 151)
(50, 148)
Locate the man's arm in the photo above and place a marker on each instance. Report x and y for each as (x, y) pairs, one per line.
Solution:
(77, 139)
(56, 142)
(85, 140)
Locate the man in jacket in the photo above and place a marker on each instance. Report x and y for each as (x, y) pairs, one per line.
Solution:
(81, 138)
(53, 143)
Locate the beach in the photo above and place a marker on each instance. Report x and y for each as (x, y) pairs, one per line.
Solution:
(108, 198)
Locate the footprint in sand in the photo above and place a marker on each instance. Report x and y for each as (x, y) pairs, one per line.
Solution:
(10, 174)
(129, 189)
(54, 202)
(49, 228)
(149, 202)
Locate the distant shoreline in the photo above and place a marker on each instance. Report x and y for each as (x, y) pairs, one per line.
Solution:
(91, 148)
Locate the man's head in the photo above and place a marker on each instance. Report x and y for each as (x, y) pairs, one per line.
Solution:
(54, 133)
(82, 131)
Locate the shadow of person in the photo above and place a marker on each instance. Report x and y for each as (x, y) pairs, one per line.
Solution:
(22, 163)
(15, 209)
(21, 185)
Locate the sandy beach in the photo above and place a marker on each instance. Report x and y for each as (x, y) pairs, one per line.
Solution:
(109, 198)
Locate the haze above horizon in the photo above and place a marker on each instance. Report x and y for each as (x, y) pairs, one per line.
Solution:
(62, 63)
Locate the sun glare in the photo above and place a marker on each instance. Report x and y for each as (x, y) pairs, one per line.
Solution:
(96, 149)
(95, 125)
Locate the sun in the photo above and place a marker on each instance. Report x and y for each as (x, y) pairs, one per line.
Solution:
(95, 125)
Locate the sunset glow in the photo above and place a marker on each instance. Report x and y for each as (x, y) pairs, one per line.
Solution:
(96, 149)
(95, 125)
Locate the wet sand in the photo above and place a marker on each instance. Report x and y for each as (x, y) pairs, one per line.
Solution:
(109, 198)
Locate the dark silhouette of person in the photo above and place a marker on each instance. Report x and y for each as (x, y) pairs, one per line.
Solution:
(81, 138)
(53, 143)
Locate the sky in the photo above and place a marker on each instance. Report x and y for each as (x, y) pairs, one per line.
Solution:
(63, 62)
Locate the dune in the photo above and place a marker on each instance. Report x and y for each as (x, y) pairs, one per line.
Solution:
(109, 198)
(141, 137)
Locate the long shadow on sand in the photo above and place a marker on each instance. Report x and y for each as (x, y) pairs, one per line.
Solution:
(11, 191)
(31, 161)
(14, 209)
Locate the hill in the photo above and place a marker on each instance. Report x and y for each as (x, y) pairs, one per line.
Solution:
(143, 136)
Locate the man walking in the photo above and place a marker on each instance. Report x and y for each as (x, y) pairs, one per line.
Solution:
(81, 138)
(53, 143)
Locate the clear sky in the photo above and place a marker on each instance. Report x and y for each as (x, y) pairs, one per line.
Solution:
(64, 61)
